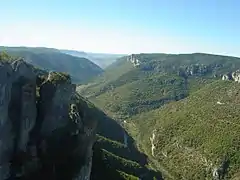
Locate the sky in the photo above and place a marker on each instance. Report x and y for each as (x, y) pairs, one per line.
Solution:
(123, 26)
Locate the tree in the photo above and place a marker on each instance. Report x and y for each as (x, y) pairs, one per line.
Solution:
(4, 56)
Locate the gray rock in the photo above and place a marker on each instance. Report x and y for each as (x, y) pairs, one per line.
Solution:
(6, 136)
(21, 68)
(25, 76)
(17, 110)
(19, 118)
(56, 100)
(236, 76)
(134, 60)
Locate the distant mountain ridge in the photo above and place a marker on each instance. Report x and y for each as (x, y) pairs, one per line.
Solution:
(144, 81)
(81, 69)
(103, 60)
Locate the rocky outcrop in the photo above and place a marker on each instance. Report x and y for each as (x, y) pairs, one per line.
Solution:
(195, 70)
(152, 140)
(45, 137)
(134, 60)
(235, 76)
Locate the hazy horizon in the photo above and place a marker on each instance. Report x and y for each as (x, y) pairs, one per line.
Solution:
(117, 53)
(124, 26)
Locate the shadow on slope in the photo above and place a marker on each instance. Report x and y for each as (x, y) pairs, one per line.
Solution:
(113, 154)
(110, 129)
(121, 153)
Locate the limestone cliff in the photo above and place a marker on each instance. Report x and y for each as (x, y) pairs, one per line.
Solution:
(235, 76)
(133, 60)
(45, 134)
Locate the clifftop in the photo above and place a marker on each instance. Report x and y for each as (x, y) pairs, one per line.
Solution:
(44, 132)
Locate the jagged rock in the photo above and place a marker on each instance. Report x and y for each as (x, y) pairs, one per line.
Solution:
(194, 70)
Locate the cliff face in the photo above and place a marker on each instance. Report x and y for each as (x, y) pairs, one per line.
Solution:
(45, 136)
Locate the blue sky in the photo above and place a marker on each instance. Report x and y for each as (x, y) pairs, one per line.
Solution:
(123, 26)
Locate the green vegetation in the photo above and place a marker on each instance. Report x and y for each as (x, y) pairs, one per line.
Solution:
(180, 98)
(57, 77)
(80, 69)
(122, 164)
(124, 90)
(194, 135)
(113, 144)
(127, 176)
(5, 57)
(110, 165)
(142, 95)
(101, 169)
